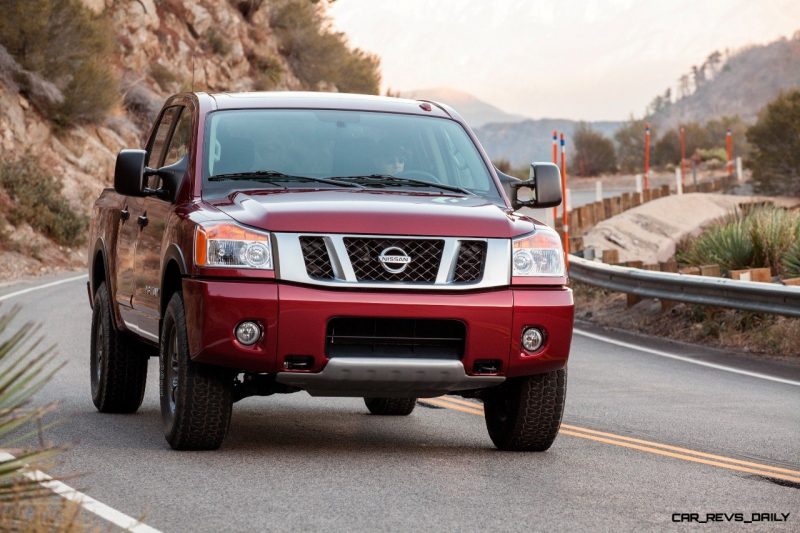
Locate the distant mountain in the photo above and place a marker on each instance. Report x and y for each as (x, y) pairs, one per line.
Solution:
(531, 140)
(745, 83)
(475, 111)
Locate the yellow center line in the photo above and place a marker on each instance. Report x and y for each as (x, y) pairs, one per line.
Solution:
(656, 448)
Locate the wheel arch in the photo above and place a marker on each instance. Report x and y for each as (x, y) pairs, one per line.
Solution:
(172, 275)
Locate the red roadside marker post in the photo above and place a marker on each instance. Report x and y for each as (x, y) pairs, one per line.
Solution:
(555, 162)
(647, 156)
(729, 146)
(564, 203)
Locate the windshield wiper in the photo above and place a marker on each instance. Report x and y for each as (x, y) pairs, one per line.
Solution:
(386, 179)
(269, 176)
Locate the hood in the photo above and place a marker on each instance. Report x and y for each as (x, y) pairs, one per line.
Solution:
(373, 212)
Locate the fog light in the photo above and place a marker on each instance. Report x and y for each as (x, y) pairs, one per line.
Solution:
(248, 332)
(532, 339)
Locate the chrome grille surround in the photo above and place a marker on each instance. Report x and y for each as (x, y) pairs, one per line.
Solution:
(451, 274)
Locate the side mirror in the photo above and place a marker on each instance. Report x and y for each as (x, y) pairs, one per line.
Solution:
(542, 189)
(129, 173)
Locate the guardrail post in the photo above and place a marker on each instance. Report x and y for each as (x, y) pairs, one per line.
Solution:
(639, 187)
(729, 146)
(598, 191)
(678, 181)
(739, 173)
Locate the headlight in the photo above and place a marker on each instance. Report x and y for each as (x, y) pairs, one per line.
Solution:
(231, 246)
(538, 254)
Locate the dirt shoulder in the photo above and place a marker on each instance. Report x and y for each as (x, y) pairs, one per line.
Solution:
(741, 331)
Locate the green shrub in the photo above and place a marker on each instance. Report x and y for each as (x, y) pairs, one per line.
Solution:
(713, 154)
(728, 245)
(218, 43)
(163, 76)
(630, 145)
(67, 44)
(791, 261)
(319, 55)
(775, 140)
(38, 201)
(24, 370)
(594, 152)
(764, 237)
(268, 71)
(773, 231)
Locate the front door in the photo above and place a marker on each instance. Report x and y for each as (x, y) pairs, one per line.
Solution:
(126, 252)
(172, 156)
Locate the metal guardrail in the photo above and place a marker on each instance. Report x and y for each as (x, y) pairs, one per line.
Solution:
(720, 292)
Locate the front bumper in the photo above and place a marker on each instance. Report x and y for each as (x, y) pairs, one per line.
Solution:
(294, 319)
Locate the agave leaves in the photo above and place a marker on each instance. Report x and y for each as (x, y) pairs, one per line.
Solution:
(24, 369)
(764, 237)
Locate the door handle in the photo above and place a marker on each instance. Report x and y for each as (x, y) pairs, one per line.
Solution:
(142, 221)
(124, 214)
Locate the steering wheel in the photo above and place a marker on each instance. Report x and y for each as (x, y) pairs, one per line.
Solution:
(419, 175)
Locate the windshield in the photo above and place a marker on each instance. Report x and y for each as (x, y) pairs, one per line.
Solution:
(280, 148)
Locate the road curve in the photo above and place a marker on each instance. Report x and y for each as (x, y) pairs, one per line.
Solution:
(645, 436)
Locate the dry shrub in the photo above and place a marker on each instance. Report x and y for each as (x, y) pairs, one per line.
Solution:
(319, 55)
(38, 201)
(69, 45)
(268, 71)
(163, 76)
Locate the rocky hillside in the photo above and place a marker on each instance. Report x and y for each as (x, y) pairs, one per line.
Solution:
(742, 85)
(159, 47)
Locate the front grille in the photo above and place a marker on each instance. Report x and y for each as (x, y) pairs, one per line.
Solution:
(395, 337)
(470, 262)
(425, 255)
(315, 255)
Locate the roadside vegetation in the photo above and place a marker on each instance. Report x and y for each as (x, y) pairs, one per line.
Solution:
(757, 333)
(759, 238)
(37, 200)
(594, 153)
(68, 46)
(317, 54)
(775, 138)
(25, 368)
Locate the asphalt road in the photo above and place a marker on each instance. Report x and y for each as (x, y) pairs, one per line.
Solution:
(630, 454)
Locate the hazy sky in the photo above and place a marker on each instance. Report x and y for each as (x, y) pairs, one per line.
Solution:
(582, 59)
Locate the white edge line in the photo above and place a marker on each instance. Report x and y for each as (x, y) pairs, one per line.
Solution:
(686, 359)
(39, 287)
(87, 502)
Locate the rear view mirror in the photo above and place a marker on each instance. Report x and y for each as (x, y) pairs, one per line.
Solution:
(129, 173)
(542, 189)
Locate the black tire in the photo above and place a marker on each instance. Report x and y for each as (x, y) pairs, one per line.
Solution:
(118, 363)
(196, 399)
(524, 414)
(390, 406)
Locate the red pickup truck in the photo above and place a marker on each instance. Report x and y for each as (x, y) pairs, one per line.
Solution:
(342, 245)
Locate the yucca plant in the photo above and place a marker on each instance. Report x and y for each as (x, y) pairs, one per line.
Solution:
(728, 245)
(24, 369)
(773, 232)
(791, 261)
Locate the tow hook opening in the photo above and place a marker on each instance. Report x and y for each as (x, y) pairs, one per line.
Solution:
(298, 362)
(487, 366)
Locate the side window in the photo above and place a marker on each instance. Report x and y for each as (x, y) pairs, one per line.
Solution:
(158, 148)
(179, 145)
